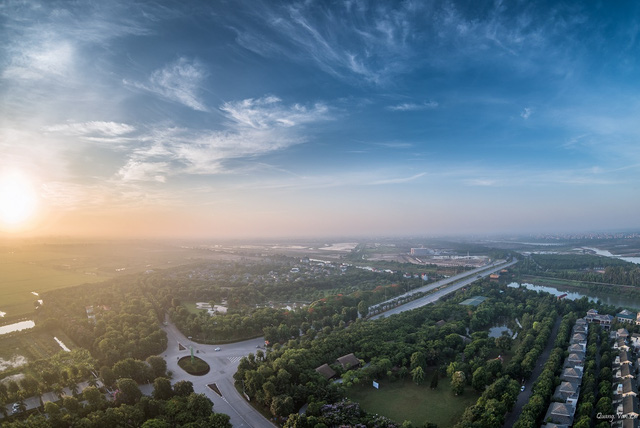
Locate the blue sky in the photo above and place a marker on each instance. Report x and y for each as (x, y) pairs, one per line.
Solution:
(240, 119)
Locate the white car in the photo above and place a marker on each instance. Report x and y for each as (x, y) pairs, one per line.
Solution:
(15, 408)
(522, 388)
(218, 349)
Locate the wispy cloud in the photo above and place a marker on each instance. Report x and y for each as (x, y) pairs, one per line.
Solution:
(254, 127)
(268, 112)
(348, 42)
(413, 106)
(109, 129)
(374, 42)
(526, 113)
(47, 39)
(180, 81)
(399, 180)
(144, 171)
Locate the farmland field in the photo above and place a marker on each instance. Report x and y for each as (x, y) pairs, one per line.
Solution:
(33, 267)
(23, 274)
(30, 346)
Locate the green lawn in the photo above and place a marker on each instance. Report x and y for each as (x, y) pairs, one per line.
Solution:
(404, 400)
(191, 307)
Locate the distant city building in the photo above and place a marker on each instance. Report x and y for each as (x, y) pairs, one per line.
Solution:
(422, 252)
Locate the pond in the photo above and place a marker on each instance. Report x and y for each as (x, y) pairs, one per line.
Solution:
(22, 325)
(497, 331)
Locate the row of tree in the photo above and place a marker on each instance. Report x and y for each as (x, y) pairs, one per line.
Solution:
(168, 407)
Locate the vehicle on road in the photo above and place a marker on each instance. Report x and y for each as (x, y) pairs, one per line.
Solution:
(218, 349)
(15, 408)
(522, 388)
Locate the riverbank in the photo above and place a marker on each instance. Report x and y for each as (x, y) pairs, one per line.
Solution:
(560, 282)
(609, 294)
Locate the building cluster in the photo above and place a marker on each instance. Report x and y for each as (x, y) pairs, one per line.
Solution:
(625, 399)
(565, 398)
(628, 317)
(346, 362)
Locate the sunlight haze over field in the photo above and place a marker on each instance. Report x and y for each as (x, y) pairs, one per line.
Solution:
(243, 118)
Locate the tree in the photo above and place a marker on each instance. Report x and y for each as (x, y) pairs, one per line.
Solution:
(479, 379)
(219, 420)
(504, 342)
(156, 423)
(183, 388)
(434, 380)
(281, 405)
(107, 375)
(158, 366)
(199, 405)
(363, 308)
(93, 396)
(72, 405)
(128, 391)
(417, 375)
(162, 389)
(418, 359)
(457, 382)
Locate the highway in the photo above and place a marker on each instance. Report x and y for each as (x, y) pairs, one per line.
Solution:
(465, 279)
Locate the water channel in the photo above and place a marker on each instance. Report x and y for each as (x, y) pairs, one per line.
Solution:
(607, 253)
(17, 326)
(616, 300)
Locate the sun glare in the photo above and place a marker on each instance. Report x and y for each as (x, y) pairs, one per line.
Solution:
(18, 200)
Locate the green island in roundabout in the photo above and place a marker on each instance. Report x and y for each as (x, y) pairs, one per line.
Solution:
(194, 366)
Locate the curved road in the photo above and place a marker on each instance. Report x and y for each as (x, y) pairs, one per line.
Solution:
(224, 364)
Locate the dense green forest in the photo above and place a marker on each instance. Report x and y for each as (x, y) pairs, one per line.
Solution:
(405, 345)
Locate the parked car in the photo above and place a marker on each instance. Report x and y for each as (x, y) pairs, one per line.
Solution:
(522, 388)
(218, 349)
(15, 408)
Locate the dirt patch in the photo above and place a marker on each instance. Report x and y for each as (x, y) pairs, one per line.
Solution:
(16, 361)
(16, 377)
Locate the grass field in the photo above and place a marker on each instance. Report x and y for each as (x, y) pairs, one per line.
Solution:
(191, 307)
(24, 273)
(404, 400)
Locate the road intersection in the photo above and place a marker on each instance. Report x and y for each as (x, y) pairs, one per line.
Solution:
(224, 364)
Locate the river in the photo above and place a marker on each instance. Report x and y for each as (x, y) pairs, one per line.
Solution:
(607, 253)
(608, 299)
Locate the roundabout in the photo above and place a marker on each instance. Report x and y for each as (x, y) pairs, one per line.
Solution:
(194, 366)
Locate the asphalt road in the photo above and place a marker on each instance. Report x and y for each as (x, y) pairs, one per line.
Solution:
(523, 397)
(224, 364)
(469, 277)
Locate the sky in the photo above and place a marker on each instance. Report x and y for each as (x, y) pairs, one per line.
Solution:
(318, 118)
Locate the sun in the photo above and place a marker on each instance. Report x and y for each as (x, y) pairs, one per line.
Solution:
(18, 200)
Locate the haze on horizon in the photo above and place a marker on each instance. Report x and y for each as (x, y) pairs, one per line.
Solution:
(248, 119)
